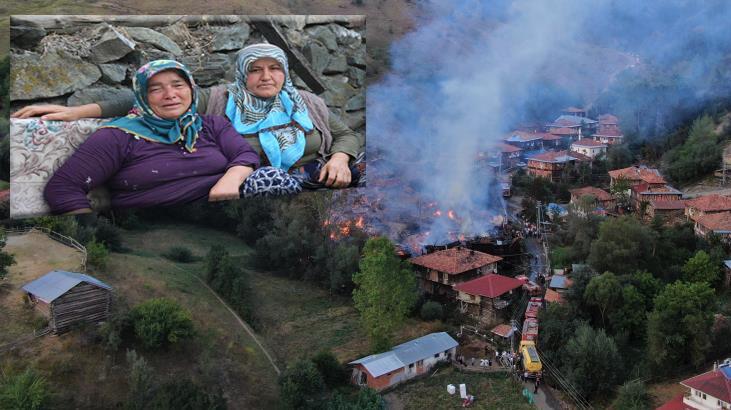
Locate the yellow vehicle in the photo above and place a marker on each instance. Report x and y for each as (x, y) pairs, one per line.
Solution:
(531, 362)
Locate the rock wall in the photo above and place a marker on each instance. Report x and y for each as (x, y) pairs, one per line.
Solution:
(75, 60)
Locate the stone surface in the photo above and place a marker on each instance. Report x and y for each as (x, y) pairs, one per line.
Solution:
(355, 120)
(358, 58)
(338, 91)
(53, 74)
(355, 103)
(208, 70)
(357, 76)
(93, 94)
(26, 34)
(230, 38)
(337, 65)
(324, 35)
(178, 33)
(345, 36)
(150, 36)
(111, 46)
(113, 73)
(317, 55)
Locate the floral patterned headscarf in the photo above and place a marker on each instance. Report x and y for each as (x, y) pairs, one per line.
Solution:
(144, 123)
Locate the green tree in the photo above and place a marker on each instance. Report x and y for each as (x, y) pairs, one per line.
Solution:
(301, 386)
(592, 362)
(431, 310)
(620, 190)
(386, 291)
(6, 259)
(699, 154)
(603, 291)
(558, 324)
(213, 261)
(23, 391)
(159, 323)
(140, 379)
(701, 268)
(632, 396)
(628, 319)
(678, 328)
(96, 254)
(624, 245)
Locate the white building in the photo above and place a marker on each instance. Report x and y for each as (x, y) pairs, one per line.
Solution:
(589, 147)
(708, 391)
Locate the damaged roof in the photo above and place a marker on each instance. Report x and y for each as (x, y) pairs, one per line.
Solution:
(455, 260)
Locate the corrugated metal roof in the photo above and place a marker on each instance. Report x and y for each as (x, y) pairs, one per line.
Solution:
(727, 263)
(558, 281)
(407, 353)
(381, 363)
(55, 283)
(424, 347)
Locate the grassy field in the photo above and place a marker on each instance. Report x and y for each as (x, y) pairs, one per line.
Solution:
(491, 391)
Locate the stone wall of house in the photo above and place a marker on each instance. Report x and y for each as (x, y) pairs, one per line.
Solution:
(75, 60)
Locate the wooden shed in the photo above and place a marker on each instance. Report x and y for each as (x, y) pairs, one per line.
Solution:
(68, 298)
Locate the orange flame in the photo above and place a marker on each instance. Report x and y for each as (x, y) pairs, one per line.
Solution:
(359, 223)
(450, 214)
(437, 213)
(345, 229)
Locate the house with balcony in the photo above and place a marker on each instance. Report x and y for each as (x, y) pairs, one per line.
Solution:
(439, 271)
(708, 391)
(608, 131)
(486, 298)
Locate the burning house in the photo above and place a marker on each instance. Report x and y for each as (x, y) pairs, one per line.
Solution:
(439, 271)
(486, 298)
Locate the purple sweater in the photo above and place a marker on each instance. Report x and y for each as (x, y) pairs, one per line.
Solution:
(141, 173)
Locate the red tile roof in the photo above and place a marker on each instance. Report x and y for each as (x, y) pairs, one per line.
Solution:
(455, 260)
(550, 137)
(491, 285)
(597, 193)
(587, 142)
(553, 297)
(508, 148)
(608, 119)
(668, 204)
(646, 188)
(559, 156)
(713, 383)
(502, 330)
(676, 404)
(716, 222)
(711, 203)
(649, 175)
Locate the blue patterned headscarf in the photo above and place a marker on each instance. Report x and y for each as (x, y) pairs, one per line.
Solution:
(280, 121)
(144, 123)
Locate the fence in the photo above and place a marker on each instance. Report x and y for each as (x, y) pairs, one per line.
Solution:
(66, 240)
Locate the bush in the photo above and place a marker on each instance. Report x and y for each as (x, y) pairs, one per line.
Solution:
(140, 379)
(431, 311)
(109, 235)
(161, 322)
(632, 396)
(26, 390)
(184, 394)
(333, 373)
(96, 254)
(301, 386)
(179, 254)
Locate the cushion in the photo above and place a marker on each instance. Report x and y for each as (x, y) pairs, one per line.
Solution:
(37, 149)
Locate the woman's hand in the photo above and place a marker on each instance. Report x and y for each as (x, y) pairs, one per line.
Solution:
(59, 112)
(228, 186)
(336, 172)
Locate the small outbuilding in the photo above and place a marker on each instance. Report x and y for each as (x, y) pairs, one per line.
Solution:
(68, 298)
(403, 362)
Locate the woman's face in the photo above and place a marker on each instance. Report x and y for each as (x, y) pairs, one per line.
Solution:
(169, 95)
(265, 77)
